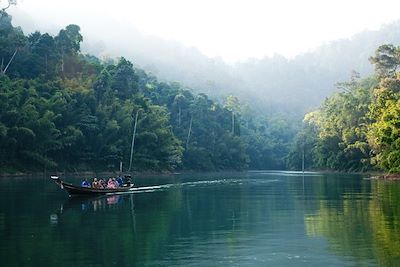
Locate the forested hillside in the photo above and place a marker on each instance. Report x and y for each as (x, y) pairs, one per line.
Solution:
(273, 83)
(358, 128)
(62, 109)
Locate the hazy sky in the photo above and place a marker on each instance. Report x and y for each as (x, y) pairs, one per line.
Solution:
(233, 30)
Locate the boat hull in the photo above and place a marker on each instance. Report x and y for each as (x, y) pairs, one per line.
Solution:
(74, 190)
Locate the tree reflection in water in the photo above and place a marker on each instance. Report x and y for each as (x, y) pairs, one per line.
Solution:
(363, 224)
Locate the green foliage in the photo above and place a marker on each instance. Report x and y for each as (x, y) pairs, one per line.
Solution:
(65, 110)
(384, 132)
(304, 146)
(335, 137)
(359, 127)
(386, 60)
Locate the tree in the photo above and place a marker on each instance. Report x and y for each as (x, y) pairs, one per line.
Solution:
(10, 3)
(123, 78)
(43, 47)
(386, 60)
(232, 104)
(384, 112)
(341, 125)
(11, 40)
(68, 42)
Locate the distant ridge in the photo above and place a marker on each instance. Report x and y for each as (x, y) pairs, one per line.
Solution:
(297, 84)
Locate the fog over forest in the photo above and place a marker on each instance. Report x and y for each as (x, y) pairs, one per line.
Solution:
(275, 83)
(199, 133)
(318, 109)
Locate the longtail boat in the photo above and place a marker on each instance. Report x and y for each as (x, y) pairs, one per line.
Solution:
(74, 190)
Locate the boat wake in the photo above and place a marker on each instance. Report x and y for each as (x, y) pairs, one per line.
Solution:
(204, 183)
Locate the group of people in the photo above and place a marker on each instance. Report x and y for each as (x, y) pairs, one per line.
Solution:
(101, 183)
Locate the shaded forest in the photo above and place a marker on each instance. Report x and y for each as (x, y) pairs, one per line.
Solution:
(62, 109)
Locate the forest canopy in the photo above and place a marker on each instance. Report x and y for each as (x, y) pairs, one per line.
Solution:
(62, 109)
(358, 128)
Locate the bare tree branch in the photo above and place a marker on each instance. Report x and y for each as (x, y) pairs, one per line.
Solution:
(10, 3)
(9, 62)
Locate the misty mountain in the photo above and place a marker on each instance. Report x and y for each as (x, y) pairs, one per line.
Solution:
(272, 83)
(297, 84)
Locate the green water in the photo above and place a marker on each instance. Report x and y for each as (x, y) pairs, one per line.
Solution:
(220, 219)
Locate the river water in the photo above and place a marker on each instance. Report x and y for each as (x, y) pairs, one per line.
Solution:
(255, 218)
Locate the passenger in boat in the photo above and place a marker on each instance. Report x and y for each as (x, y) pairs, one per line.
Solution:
(85, 183)
(96, 183)
(115, 182)
(111, 183)
(120, 181)
(128, 180)
(103, 183)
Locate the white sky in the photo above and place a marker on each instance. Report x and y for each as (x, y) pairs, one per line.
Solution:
(232, 29)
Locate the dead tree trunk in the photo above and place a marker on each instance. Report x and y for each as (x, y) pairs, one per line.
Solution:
(233, 122)
(189, 132)
(133, 140)
(9, 62)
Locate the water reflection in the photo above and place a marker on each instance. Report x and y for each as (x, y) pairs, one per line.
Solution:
(96, 203)
(257, 219)
(362, 223)
(54, 219)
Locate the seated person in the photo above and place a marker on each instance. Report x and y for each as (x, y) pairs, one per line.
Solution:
(115, 182)
(85, 183)
(111, 184)
(103, 183)
(96, 183)
(120, 181)
(128, 180)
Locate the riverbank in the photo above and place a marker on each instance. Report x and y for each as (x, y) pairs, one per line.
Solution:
(390, 177)
(91, 174)
(86, 174)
